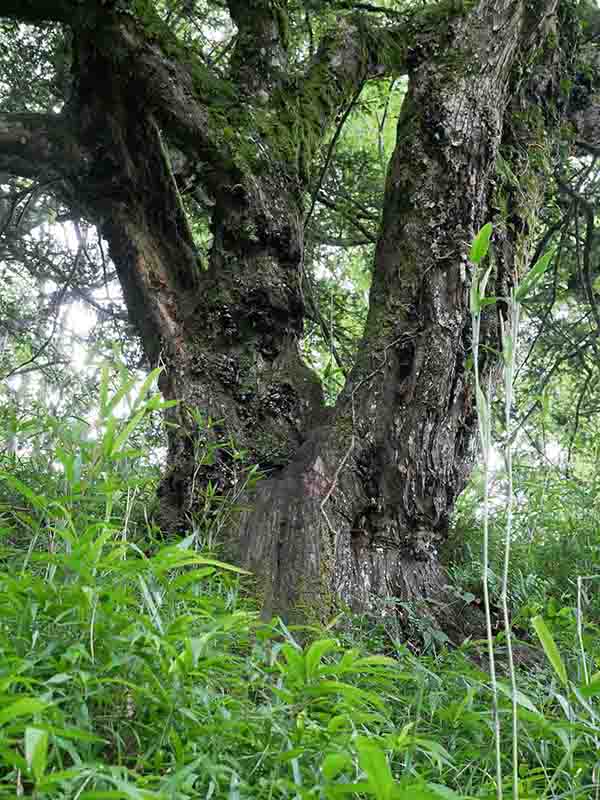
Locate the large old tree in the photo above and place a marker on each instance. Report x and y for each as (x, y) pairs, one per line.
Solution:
(357, 496)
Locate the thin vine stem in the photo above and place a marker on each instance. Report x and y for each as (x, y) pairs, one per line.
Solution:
(509, 349)
(484, 422)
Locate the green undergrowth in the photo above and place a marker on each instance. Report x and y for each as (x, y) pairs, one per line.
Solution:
(130, 668)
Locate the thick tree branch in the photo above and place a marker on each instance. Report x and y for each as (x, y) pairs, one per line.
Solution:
(160, 68)
(67, 11)
(330, 152)
(176, 102)
(260, 54)
(38, 145)
(587, 122)
(348, 56)
(355, 51)
(370, 8)
(342, 241)
(589, 213)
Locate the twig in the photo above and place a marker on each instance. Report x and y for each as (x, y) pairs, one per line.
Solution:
(47, 341)
(381, 123)
(576, 422)
(324, 200)
(331, 149)
(326, 330)
(589, 214)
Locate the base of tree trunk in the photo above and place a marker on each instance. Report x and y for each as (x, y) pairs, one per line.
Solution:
(308, 567)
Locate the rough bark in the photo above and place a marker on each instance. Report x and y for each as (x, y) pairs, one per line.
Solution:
(358, 497)
(40, 146)
(362, 510)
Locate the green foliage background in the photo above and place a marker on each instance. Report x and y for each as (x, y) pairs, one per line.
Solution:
(135, 668)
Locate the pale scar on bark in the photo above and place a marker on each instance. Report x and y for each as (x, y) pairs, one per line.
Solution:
(316, 482)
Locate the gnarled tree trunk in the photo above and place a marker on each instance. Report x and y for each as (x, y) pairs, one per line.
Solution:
(358, 497)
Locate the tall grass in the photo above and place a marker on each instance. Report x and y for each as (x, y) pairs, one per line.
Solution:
(130, 668)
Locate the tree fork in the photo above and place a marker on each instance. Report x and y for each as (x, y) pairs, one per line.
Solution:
(361, 512)
(358, 497)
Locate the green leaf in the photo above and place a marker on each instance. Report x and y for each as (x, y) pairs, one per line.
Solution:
(67, 460)
(352, 694)
(483, 286)
(290, 755)
(36, 751)
(296, 666)
(8, 756)
(128, 430)
(592, 688)
(416, 792)
(315, 653)
(443, 791)
(123, 390)
(73, 733)
(334, 763)
(522, 698)
(481, 244)
(550, 647)
(132, 792)
(156, 403)
(534, 274)
(104, 379)
(368, 662)
(172, 558)
(373, 762)
(145, 387)
(25, 706)
(50, 780)
(109, 436)
(341, 789)
(59, 677)
(36, 500)
(440, 754)
(477, 293)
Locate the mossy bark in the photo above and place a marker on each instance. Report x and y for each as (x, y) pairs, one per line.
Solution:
(362, 510)
(358, 497)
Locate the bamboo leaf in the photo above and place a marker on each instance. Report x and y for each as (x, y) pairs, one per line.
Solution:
(481, 244)
(36, 751)
(103, 389)
(124, 389)
(25, 706)
(334, 763)
(145, 387)
(534, 274)
(592, 688)
(36, 500)
(128, 430)
(373, 762)
(315, 654)
(550, 647)
(353, 695)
